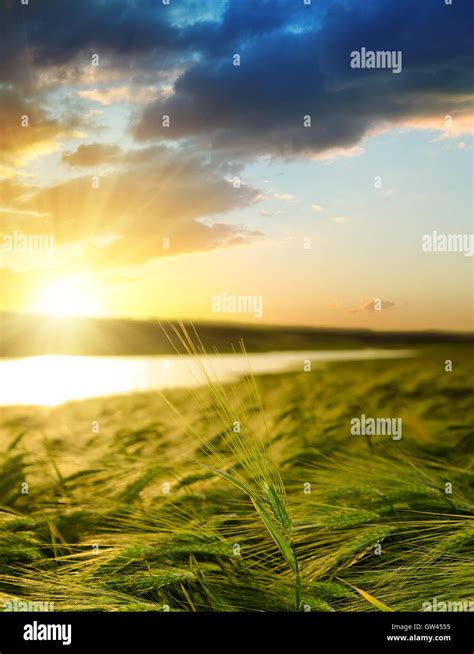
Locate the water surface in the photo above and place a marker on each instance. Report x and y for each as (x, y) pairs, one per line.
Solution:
(53, 379)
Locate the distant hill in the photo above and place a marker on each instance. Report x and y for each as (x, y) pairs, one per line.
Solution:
(27, 335)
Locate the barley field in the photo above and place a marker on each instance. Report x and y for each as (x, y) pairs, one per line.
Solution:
(253, 496)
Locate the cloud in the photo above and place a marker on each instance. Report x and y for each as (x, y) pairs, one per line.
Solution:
(374, 305)
(93, 154)
(11, 190)
(47, 33)
(162, 196)
(316, 207)
(116, 94)
(340, 219)
(286, 197)
(26, 130)
(287, 74)
(295, 63)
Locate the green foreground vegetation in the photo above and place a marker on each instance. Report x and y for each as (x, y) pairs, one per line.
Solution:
(150, 502)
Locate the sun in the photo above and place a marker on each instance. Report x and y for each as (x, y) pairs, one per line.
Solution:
(72, 296)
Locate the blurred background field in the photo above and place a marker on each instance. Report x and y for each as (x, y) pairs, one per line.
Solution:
(24, 334)
(124, 511)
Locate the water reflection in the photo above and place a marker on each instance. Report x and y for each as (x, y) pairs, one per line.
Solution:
(50, 380)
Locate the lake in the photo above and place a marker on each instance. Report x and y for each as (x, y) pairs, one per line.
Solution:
(53, 379)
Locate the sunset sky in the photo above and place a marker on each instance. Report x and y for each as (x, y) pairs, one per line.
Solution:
(149, 220)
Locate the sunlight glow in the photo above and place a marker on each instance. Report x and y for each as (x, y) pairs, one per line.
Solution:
(73, 296)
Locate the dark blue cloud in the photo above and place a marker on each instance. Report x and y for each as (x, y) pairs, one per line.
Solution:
(245, 21)
(292, 67)
(56, 32)
(295, 61)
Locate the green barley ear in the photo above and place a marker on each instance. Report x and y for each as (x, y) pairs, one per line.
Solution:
(278, 526)
(277, 506)
(258, 475)
(280, 538)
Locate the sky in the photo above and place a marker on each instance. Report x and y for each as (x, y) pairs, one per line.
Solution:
(156, 155)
